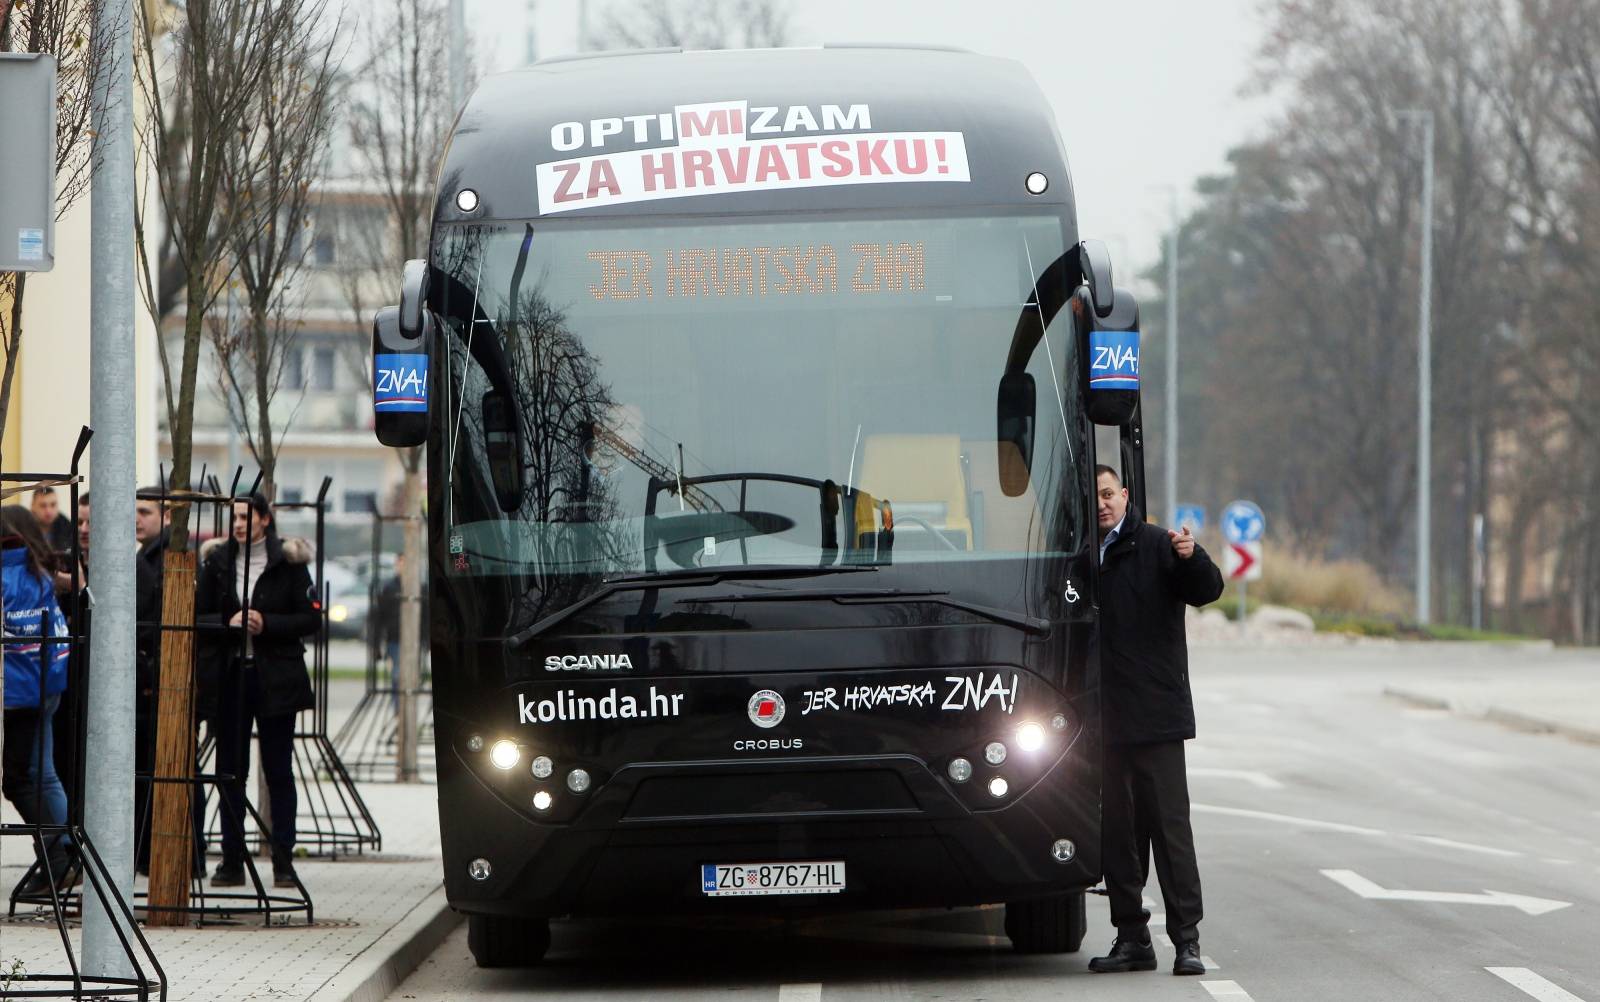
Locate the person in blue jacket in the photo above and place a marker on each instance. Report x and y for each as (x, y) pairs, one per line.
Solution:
(35, 678)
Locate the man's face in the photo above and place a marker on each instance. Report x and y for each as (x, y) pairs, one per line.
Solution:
(45, 508)
(146, 521)
(83, 526)
(1111, 502)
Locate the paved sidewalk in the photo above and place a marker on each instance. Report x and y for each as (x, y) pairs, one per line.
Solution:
(1530, 686)
(374, 913)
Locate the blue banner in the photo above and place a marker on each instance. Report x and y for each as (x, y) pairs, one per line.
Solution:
(400, 383)
(1113, 360)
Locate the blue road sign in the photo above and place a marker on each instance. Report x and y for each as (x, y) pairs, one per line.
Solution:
(1242, 522)
(1192, 515)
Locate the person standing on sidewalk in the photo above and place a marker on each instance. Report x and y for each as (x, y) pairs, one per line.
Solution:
(35, 678)
(1147, 576)
(258, 587)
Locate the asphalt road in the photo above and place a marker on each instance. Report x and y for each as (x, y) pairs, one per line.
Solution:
(1349, 845)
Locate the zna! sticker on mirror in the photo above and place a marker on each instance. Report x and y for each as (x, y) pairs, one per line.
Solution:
(400, 383)
(1113, 360)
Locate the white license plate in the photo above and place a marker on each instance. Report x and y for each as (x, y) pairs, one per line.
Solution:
(727, 879)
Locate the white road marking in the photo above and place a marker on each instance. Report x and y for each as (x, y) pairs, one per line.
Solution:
(1531, 984)
(800, 993)
(1356, 883)
(1257, 779)
(1226, 990)
(1336, 826)
(1448, 843)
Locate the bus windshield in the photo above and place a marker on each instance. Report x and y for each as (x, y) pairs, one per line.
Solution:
(771, 391)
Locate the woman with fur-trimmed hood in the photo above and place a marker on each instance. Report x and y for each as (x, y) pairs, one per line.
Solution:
(255, 590)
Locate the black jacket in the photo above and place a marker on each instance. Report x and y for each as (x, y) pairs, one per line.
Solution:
(1144, 658)
(149, 569)
(283, 596)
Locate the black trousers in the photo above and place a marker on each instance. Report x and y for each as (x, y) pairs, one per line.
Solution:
(276, 734)
(1145, 802)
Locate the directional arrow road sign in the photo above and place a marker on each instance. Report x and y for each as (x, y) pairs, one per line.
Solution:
(1354, 881)
(1242, 561)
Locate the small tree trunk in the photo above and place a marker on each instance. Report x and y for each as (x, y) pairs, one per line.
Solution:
(13, 345)
(171, 822)
(267, 456)
(410, 629)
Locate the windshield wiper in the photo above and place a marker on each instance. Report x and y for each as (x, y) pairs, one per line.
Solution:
(889, 596)
(675, 579)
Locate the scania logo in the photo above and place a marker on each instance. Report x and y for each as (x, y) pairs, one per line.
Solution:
(765, 709)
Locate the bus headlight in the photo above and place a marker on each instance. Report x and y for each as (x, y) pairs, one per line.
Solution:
(475, 743)
(543, 767)
(542, 800)
(504, 754)
(479, 869)
(994, 753)
(998, 787)
(1058, 722)
(1062, 850)
(960, 770)
(1031, 737)
(578, 780)
(338, 613)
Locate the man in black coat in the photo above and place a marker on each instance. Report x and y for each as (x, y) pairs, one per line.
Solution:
(257, 587)
(1147, 576)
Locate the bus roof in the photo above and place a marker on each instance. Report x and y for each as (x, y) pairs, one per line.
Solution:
(739, 131)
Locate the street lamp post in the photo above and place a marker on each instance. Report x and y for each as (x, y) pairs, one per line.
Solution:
(1425, 374)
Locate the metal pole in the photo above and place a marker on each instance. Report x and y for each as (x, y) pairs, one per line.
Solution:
(583, 25)
(1172, 363)
(108, 784)
(458, 55)
(1425, 386)
(1477, 571)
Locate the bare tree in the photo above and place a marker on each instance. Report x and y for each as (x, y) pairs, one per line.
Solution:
(400, 116)
(692, 24)
(269, 184)
(62, 28)
(202, 81)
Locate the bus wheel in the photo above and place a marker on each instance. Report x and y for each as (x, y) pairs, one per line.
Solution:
(1047, 925)
(507, 941)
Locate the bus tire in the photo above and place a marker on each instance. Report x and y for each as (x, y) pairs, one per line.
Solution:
(1047, 925)
(507, 941)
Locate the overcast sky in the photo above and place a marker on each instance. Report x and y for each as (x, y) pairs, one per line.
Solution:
(1163, 75)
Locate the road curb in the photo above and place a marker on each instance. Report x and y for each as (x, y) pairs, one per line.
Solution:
(1497, 715)
(377, 971)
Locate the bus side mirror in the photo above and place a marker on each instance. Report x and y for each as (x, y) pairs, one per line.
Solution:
(413, 290)
(1095, 263)
(1014, 417)
(1111, 366)
(503, 443)
(399, 382)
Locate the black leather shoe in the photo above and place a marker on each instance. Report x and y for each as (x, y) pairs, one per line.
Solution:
(1188, 960)
(228, 875)
(1125, 955)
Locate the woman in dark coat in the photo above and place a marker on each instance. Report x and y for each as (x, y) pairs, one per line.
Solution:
(255, 590)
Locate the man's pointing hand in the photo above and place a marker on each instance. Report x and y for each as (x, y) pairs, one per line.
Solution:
(1182, 543)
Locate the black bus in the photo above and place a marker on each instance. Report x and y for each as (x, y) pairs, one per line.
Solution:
(759, 392)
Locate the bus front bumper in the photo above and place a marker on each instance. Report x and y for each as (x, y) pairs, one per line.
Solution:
(908, 837)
